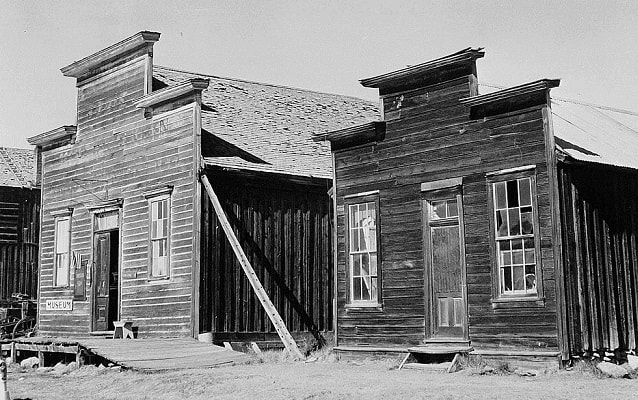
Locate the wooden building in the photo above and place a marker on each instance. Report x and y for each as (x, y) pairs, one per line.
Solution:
(128, 231)
(505, 221)
(19, 219)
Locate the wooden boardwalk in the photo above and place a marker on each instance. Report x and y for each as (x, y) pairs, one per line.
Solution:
(137, 354)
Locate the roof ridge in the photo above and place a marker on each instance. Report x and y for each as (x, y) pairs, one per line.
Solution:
(266, 84)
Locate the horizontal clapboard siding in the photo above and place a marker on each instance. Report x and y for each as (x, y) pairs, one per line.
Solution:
(119, 153)
(434, 139)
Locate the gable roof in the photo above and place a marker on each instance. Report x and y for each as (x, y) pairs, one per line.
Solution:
(596, 134)
(17, 167)
(268, 128)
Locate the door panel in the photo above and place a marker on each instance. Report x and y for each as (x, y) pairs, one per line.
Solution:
(446, 268)
(102, 257)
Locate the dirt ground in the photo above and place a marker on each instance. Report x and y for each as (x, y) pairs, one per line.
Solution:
(317, 380)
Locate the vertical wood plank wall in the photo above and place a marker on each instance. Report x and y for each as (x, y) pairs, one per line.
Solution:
(19, 230)
(433, 139)
(601, 257)
(286, 234)
(119, 151)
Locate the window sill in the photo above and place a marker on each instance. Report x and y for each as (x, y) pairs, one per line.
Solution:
(518, 302)
(364, 307)
(158, 279)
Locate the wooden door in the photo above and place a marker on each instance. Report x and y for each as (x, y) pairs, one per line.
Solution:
(445, 291)
(102, 263)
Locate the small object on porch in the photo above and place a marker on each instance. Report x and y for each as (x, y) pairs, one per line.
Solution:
(227, 346)
(123, 330)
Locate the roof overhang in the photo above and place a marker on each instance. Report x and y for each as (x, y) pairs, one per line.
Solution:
(465, 57)
(83, 67)
(541, 85)
(172, 93)
(56, 137)
(370, 132)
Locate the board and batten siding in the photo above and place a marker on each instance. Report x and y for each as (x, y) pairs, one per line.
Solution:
(600, 226)
(19, 230)
(119, 154)
(434, 138)
(285, 231)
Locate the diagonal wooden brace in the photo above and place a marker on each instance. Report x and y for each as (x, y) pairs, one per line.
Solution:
(274, 316)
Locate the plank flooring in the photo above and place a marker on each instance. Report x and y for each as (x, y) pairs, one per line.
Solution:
(151, 354)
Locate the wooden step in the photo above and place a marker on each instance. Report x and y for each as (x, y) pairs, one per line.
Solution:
(440, 367)
(447, 342)
(441, 349)
(106, 334)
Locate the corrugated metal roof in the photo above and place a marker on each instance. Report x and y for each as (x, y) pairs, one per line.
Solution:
(597, 134)
(17, 167)
(271, 123)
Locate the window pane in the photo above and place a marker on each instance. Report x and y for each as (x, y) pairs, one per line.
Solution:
(516, 244)
(515, 224)
(519, 278)
(373, 289)
(524, 186)
(512, 194)
(62, 236)
(452, 208)
(507, 279)
(501, 223)
(373, 264)
(517, 257)
(444, 312)
(365, 265)
(439, 209)
(366, 288)
(527, 224)
(62, 269)
(356, 264)
(530, 278)
(354, 223)
(356, 289)
(499, 189)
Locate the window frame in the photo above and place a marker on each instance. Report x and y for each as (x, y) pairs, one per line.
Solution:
(352, 200)
(503, 300)
(154, 198)
(56, 240)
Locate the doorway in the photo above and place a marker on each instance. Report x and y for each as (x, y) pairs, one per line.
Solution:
(445, 293)
(106, 282)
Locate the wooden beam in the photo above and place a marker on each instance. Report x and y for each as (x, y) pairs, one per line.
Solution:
(274, 316)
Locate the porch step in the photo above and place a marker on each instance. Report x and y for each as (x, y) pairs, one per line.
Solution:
(447, 342)
(440, 356)
(105, 334)
(440, 367)
(442, 348)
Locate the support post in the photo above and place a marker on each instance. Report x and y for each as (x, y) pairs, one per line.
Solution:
(273, 314)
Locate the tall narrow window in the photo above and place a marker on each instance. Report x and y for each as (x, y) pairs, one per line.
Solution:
(62, 250)
(515, 234)
(362, 253)
(159, 208)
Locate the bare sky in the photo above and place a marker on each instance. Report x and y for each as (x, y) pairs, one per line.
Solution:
(320, 45)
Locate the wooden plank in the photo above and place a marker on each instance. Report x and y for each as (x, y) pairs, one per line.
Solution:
(274, 316)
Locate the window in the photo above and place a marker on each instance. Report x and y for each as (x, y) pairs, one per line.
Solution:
(515, 233)
(362, 253)
(159, 208)
(62, 250)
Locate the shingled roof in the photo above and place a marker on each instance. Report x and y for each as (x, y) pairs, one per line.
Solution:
(268, 128)
(17, 167)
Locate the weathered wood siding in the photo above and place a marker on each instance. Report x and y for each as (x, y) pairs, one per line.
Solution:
(19, 230)
(600, 225)
(285, 231)
(120, 154)
(432, 139)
